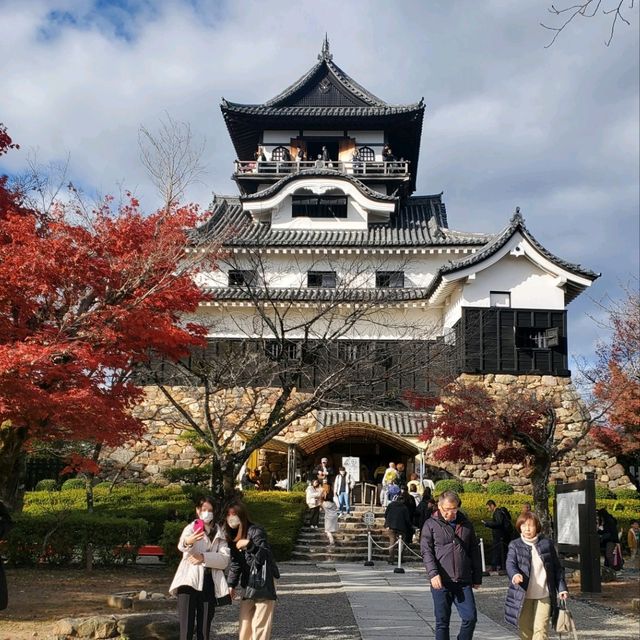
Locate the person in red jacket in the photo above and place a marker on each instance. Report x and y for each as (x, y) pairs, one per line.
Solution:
(451, 556)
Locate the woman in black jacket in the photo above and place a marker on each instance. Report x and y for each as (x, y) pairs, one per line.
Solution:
(251, 562)
(536, 580)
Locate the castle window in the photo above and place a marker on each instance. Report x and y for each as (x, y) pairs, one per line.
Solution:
(319, 206)
(280, 153)
(532, 338)
(366, 154)
(500, 299)
(389, 279)
(321, 279)
(242, 277)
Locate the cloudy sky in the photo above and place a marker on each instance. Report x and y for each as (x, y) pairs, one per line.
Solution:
(508, 123)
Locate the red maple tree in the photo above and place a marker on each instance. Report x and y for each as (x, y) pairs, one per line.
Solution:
(82, 302)
(616, 382)
(519, 428)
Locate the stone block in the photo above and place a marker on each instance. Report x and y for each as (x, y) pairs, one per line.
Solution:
(119, 602)
(615, 472)
(97, 627)
(149, 626)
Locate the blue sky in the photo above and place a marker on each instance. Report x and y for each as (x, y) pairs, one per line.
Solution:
(508, 123)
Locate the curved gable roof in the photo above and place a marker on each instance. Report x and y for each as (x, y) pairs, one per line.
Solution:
(319, 173)
(516, 225)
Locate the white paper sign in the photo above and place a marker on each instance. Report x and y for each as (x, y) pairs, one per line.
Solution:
(352, 465)
(568, 523)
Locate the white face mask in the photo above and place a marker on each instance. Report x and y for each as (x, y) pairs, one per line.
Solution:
(206, 516)
(233, 521)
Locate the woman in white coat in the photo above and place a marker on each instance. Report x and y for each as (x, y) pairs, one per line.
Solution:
(199, 580)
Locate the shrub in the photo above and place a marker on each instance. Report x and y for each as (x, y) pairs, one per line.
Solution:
(448, 485)
(192, 475)
(112, 539)
(102, 486)
(73, 483)
(473, 487)
(628, 494)
(299, 486)
(47, 485)
(499, 487)
(603, 492)
(169, 541)
(551, 488)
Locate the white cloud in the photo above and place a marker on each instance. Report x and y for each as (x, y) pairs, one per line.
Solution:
(508, 122)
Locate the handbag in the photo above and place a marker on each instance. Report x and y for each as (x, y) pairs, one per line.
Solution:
(618, 561)
(224, 601)
(564, 621)
(257, 586)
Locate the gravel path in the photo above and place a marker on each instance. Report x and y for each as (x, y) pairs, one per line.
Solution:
(311, 606)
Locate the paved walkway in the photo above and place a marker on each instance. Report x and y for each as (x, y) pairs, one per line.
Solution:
(391, 605)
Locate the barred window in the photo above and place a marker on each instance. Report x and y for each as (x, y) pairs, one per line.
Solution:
(319, 206)
(389, 279)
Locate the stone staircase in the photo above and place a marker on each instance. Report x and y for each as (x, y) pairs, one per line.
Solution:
(351, 540)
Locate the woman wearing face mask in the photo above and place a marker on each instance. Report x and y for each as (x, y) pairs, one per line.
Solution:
(199, 581)
(251, 553)
(536, 580)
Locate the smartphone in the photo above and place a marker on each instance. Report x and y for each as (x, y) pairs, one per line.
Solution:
(198, 525)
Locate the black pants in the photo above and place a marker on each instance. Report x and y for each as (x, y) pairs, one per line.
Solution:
(196, 610)
(499, 553)
(315, 516)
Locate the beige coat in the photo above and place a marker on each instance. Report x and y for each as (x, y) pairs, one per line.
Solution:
(216, 557)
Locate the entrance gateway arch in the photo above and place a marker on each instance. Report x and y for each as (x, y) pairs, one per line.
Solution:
(375, 437)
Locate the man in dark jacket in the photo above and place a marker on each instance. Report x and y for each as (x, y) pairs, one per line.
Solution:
(502, 532)
(451, 556)
(397, 521)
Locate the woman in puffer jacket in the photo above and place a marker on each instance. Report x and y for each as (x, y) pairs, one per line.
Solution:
(536, 580)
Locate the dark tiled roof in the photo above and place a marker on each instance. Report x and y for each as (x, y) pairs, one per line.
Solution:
(314, 173)
(304, 294)
(516, 224)
(404, 423)
(338, 111)
(419, 222)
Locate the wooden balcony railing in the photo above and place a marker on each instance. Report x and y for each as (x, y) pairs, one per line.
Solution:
(281, 168)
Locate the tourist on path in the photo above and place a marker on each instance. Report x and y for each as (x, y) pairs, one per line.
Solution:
(536, 580)
(397, 520)
(330, 512)
(502, 531)
(633, 538)
(425, 508)
(390, 477)
(451, 556)
(313, 497)
(608, 533)
(251, 556)
(199, 581)
(341, 487)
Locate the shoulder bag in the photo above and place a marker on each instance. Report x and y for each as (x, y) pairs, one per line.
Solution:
(564, 621)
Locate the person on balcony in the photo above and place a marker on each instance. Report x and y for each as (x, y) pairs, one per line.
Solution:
(259, 156)
(356, 163)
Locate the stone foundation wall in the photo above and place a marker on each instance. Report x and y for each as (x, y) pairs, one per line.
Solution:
(164, 446)
(570, 411)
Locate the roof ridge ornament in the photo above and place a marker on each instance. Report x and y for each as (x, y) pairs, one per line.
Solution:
(325, 54)
(517, 217)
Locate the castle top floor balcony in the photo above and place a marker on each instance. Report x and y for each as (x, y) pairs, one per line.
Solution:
(260, 170)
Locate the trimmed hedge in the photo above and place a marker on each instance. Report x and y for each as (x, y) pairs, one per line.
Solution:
(47, 485)
(603, 492)
(499, 488)
(73, 483)
(44, 539)
(627, 494)
(448, 485)
(474, 487)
